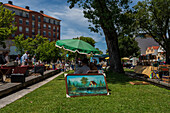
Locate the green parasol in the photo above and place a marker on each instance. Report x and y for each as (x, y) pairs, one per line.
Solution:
(75, 45)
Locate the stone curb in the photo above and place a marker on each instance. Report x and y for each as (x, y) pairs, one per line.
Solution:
(12, 87)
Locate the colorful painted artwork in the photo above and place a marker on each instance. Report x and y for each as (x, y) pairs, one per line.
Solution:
(85, 85)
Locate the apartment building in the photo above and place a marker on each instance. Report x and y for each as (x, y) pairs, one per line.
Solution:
(30, 23)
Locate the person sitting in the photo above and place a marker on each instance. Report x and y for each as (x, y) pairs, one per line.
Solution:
(93, 68)
(84, 69)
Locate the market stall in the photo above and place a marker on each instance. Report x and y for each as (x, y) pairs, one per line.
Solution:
(152, 69)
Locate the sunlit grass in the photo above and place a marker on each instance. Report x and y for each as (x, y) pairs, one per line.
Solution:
(123, 97)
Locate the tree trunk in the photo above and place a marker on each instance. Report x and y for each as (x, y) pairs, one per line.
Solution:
(167, 53)
(110, 35)
(114, 54)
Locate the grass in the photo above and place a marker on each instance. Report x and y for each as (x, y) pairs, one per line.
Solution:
(123, 97)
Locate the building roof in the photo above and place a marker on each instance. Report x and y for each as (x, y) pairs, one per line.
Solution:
(17, 7)
(144, 43)
(155, 47)
(27, 10)
(149, 48)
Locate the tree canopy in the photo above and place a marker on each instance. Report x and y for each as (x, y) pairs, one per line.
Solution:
(39, 46)
(128, 47)
(152, 17)
(6, 24)
(89, 40)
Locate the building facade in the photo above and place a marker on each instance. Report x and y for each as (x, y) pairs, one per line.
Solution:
(158, 51)
(30, 23)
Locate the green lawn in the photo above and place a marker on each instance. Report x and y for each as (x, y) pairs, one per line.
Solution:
(123, 97)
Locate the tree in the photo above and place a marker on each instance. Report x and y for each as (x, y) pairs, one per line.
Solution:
(110, 16)
(101, 84)
(101, 52)
(19, 43)
(47, 51)
(84, 80)
(32, 44)
(89, 40)
(128, 46)
(152, 17)
(6, 25)
(44, 50)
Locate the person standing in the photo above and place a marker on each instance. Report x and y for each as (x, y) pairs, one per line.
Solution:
(6, 57)
(18, 59)
(33, 59)
(25, 58)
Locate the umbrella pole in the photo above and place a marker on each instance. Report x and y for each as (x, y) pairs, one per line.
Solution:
(75, 61)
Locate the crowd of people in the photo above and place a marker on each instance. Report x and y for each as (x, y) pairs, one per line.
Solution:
(25, 59)
(83, 66)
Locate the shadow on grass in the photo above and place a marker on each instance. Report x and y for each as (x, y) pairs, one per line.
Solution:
(116, 78)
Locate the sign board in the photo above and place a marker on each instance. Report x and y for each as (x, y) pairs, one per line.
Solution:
(86, 85)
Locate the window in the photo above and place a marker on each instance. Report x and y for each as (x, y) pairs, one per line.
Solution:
(20, 28)
(39, 32)
(20, 21)
(49, 39)
(54, 35)
(27, 30)
(33, 32)
(49, 27)
(13, 12)
(53, 39)
(58, 36)
(57, 29)
(26, 36)
(49, 33)
(33, 24)
(27, 15)
(54, 28)
(44, 19)
(20, 13)
(39, 19)
(44, 26)
(49, 20)
(39, 26)
(53, 21)
(44, 33)
(33, 17)
(27, 22)
(57, 23)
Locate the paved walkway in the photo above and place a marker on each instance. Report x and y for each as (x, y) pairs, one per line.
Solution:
(13, 97)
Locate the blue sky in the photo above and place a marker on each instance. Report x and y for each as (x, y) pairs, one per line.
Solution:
(73, 23)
